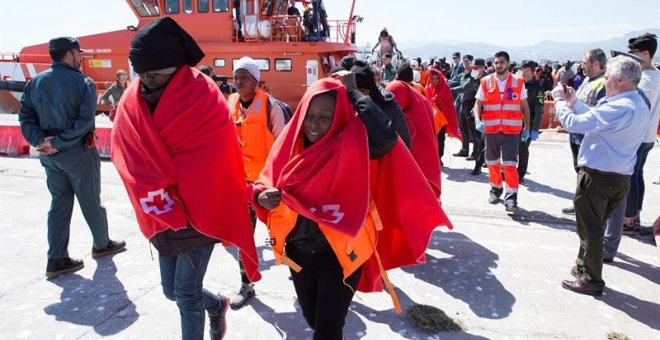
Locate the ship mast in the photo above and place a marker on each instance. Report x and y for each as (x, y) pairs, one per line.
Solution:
(350, 23)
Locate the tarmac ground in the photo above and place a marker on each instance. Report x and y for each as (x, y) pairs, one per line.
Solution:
(498, 274)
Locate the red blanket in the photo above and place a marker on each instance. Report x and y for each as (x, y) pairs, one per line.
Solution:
(440, 95)
(183, 165)
(328, 181)
(419, 117)
(338, 166)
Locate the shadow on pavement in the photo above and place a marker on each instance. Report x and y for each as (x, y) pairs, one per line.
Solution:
(463, 175)
(398, 323)
(466, 275)
(101, 302)
(643, 311)
(292, 325)
(264, 265)
(533, 186)
(524, 217)
(643, 269)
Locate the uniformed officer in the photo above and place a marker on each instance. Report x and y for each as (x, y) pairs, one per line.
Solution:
(57, 115)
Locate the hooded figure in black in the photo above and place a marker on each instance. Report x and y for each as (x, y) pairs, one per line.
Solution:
(157, 51)
(364, 76)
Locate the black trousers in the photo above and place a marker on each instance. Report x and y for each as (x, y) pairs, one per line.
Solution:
(253, 219)
(596, 197)
(523, 158)
(441, 142)
(479, 150)
(575, 148)
(467, 126)
(322, 294)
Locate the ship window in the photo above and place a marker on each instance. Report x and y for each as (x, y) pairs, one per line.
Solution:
(263, 63)
(187, 6)
(146, 8)
(283, 65)
(203, 6)
(172, 6)
(220, 5)
(218, 62)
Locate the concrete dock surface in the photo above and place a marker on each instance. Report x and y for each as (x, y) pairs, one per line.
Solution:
(498, 274)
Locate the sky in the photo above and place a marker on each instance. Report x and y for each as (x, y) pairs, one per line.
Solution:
(507, 23)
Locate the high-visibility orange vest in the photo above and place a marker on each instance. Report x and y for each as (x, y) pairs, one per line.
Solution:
(255, 137)
(351, 252)
(502, 113)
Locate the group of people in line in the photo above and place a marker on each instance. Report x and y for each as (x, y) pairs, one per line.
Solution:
(348, 184)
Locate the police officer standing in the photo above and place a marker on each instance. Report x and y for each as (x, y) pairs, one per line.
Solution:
(535, 101)
(57, 115)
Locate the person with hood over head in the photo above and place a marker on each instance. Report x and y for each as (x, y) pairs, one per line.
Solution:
(439, 94)
(334, 183)
(175, 148)
(419, 117)
(386, 43)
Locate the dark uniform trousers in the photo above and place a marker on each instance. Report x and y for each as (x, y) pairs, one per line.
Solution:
(597, 195)
(74, 172)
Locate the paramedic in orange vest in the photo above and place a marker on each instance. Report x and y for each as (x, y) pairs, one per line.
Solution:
(502, 112)
(257, 129)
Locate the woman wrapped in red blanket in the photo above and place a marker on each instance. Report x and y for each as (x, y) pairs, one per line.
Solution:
(338, 219)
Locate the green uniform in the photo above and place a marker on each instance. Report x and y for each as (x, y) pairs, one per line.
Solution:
(61, 102)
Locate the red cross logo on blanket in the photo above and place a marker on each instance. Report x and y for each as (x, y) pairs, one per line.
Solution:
(329, 208)
(157, 201)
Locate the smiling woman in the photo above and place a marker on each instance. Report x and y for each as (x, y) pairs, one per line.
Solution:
(319, 116)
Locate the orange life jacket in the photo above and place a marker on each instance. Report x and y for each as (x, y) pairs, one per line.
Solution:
(502, 113)
(351, 252)
(439, 119)
(253, 132)
(424, 78)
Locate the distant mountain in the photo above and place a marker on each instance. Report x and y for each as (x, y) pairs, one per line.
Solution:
(545, 50)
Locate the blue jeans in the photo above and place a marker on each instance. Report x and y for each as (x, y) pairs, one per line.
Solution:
(182, 277)
(636, 193)
(614, 231)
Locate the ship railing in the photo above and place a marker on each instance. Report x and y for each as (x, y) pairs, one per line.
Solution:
(289, 28)
(8, 56)
(342, 31)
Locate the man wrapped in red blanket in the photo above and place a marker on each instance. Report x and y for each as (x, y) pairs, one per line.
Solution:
(175, 148)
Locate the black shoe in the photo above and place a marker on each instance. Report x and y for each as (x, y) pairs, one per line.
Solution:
(608, 260)
(244, 294)
(57, 267)
(476, 172)
(568, 211)
(113, 247)
(484, 165)
(493, 198)
(511, 206)
(461, 153)
(582, 287)
(218, 320)
(471, 157)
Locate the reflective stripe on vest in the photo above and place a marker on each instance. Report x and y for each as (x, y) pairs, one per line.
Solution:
(502, 113)
(253, 133)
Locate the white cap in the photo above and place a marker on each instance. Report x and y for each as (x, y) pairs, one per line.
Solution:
(248, 64)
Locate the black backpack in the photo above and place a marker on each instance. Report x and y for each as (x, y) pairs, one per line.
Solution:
(287, 111)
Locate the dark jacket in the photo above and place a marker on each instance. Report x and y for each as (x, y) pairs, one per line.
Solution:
(465, 93)
(385, 101)
(455, 75)
(58, 102)
(535, 99)
(306, 234)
